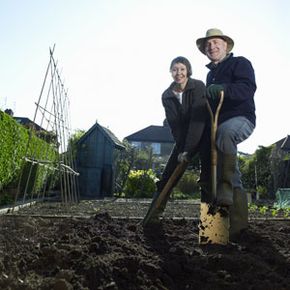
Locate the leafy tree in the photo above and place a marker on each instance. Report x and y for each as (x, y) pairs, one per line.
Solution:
(73, 140)
(263, 167)
(123, 165)
(247, 167)
(256, 170)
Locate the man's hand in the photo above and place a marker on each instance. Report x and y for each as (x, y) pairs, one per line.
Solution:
(214, 91)
(183, 157)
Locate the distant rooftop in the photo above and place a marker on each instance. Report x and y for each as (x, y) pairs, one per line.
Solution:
(26, 122)
(154, 134)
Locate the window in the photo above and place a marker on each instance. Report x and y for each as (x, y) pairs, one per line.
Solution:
(136, 144)
(156, 148)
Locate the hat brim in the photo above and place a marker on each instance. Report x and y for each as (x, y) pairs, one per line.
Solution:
(201, 42)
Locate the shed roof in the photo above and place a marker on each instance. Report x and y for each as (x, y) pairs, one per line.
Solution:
(108, 133)
(155, 134)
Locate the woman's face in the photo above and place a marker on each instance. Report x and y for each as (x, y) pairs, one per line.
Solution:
(179, 73)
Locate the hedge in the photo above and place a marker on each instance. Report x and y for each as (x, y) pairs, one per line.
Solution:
(14, 147)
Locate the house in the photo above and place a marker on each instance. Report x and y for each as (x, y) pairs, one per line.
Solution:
(285, 146)
(280, 160)
(47, 136)
(26, 122)
(159, 138)
(97, 152)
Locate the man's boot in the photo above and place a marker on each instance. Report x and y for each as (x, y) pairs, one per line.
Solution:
(225, 187)
(238, 213)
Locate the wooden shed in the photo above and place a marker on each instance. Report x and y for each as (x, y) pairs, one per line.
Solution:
(97, 152)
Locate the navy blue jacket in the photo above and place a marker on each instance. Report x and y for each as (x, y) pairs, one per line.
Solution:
(237, 76)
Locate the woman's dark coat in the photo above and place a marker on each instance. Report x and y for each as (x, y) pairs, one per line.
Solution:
(186, 120)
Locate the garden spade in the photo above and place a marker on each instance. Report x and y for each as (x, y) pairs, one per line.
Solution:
(156, 203)
(214, 220)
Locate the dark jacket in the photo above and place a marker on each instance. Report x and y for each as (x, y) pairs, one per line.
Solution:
(186, 120)
(237, 76)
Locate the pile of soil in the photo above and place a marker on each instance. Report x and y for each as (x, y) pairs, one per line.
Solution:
(102, 245)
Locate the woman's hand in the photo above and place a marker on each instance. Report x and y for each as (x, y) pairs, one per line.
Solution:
(177, 88)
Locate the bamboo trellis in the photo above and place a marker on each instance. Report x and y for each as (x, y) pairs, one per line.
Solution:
(52, 114)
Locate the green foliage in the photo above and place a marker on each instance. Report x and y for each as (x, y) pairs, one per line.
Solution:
(13, 143)
(177, 194)
(142, 158)
(263, 209)
(48, 137)
(266, 210)
(5, 199)
(247, 168)
(264, 177)
(124, 162)
(253, 207)
(263, 192)
(256, 171)
(73, 140)
(187, 186)
(274, 212)
(12, 149)
(140, 183)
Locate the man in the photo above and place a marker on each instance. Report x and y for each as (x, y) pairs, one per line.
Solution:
(235, 76)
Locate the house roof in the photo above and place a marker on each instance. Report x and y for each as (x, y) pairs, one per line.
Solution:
(286, 143)
(109, 134)
(283, 144)
(26, 121)
(154, 134)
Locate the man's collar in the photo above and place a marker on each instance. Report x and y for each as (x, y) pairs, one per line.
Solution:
(212, 65)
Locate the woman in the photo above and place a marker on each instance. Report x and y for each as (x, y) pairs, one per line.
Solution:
(186, 113)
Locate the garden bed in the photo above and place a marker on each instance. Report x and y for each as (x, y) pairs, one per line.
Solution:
(102, 245)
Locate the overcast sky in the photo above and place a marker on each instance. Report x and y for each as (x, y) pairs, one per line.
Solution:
(114, 57)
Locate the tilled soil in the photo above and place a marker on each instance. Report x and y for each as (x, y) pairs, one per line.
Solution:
(102, 245)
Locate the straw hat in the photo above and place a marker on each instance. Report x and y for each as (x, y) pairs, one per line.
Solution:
(213, 33)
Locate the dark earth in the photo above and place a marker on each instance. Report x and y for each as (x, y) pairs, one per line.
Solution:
(103, 245)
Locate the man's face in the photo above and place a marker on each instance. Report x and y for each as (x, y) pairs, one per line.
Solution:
(216, 49)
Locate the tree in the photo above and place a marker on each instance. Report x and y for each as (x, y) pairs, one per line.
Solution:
(256, 170)
(73, 140)
(124, 164)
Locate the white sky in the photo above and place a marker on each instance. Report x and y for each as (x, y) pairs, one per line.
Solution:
(114, 56)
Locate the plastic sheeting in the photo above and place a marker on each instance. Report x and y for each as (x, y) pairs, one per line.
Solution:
(283, 197)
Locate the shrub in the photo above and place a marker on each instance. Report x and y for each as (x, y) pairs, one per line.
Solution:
(5, 199)
(187, 186)
(140, 183)
(263, 193)
(14, 147)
